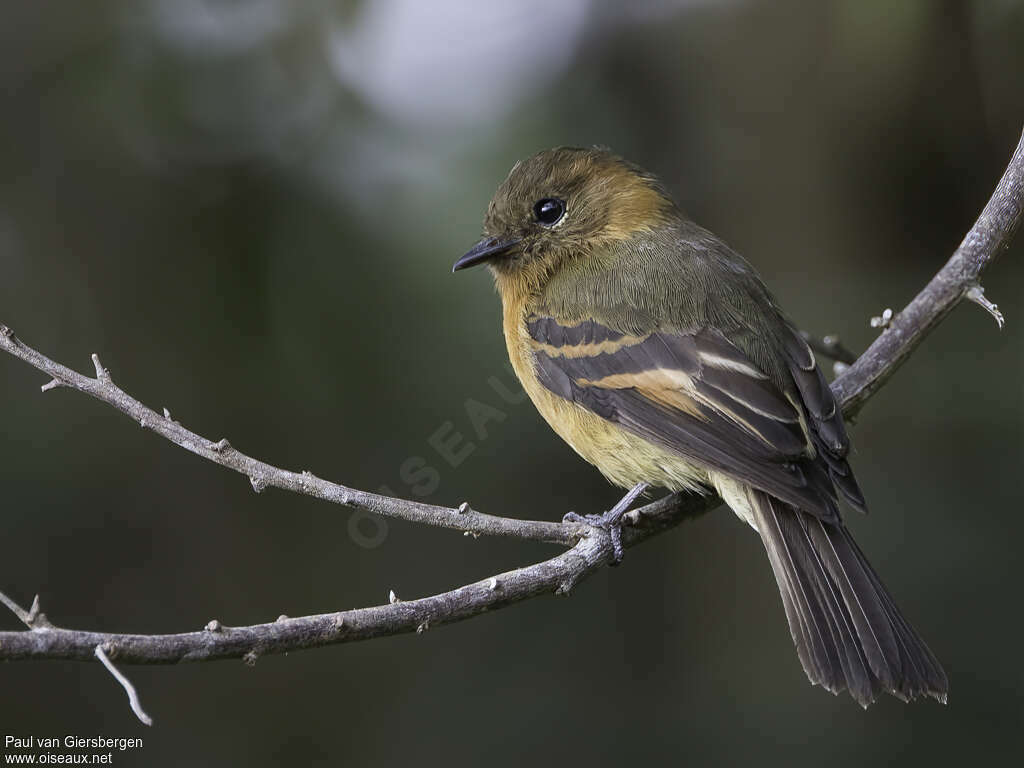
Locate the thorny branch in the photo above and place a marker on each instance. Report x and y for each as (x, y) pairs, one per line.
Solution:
(957, 280)
(588, 548)
(262, 475)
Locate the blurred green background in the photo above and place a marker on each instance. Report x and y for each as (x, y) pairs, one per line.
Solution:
(250, 210)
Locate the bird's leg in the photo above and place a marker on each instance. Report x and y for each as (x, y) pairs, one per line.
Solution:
(611, 520)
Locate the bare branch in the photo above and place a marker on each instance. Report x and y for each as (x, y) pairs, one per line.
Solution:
(216, 641)
(988, 237)
(263, 475)
(590, 547)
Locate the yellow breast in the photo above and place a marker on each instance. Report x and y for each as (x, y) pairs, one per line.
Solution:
(622, 457)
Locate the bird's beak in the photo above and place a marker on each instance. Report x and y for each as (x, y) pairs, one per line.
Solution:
(483, 251)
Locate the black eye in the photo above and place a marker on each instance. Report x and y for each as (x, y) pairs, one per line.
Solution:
(549, 210)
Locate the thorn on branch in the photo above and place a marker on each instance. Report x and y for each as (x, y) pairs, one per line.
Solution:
(474, 534)
(339, 621)
(976, 294)
(282, 617)
(882, 321)
(6, 332)
(259, 484)
(33, 618)
(463, 508)
(52, 384)
(220, 446)
(102, 374)
(420, 629)
(33, 612)
(133, 697)
(393, 598)
(492, 585)
(213, 626)
(250, 658)
(167, 414)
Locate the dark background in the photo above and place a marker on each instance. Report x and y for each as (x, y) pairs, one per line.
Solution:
(250, 210)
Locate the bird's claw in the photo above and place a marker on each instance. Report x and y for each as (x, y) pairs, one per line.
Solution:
(605, 523)
(610, 521)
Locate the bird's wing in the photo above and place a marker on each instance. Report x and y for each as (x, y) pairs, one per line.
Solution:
(824, 418)
(700, 396)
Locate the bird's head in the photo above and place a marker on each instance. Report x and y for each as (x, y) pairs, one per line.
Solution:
(563, 204)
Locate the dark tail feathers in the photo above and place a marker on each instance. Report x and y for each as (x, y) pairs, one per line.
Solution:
(848, 632)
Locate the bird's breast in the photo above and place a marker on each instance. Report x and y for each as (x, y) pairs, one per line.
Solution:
(621, 456)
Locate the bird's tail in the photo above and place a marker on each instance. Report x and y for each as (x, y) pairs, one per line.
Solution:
(847, 629)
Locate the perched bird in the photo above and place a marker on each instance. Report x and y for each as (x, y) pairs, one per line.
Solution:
(658, 354)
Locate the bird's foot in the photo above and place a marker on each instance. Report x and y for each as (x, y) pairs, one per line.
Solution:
(605, 523)
(611, 520)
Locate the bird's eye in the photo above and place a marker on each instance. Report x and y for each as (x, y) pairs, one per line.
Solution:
(549, 210)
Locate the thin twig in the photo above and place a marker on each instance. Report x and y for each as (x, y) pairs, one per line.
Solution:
(33, 618)
(17, 610)
(263, 475)
(133, 696)
(981, 246)
(557, 575)
(830, 347)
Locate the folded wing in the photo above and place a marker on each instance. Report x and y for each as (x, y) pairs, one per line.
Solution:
(698, 395)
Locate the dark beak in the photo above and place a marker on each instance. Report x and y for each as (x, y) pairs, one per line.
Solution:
(485, 250)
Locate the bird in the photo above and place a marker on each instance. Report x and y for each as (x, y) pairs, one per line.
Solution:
(659, 355)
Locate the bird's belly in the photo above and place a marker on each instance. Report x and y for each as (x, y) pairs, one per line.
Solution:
(627, 459)
(622, 457)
